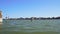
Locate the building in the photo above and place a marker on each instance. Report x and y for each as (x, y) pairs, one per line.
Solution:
(0, 17)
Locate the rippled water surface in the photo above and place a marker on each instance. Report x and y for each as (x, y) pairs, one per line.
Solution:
(28, 27)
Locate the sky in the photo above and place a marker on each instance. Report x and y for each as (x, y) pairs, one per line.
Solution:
(30, 8)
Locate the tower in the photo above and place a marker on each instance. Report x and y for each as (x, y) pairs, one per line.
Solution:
(0, 17)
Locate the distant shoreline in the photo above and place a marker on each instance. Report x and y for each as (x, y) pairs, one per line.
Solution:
(34, 18)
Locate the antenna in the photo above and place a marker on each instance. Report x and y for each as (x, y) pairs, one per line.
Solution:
(6, 16)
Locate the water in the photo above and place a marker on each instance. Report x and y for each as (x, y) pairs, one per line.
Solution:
(28, 27)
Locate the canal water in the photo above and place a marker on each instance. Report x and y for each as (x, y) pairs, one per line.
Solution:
(30, 27)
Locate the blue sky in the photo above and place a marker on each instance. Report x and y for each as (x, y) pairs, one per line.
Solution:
(30, 8)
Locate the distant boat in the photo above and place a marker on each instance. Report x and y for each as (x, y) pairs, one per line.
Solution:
(1, 17)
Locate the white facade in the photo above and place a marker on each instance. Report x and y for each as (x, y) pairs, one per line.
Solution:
(0, 20)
